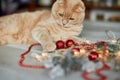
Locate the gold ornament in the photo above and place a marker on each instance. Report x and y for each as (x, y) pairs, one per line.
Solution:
(77, 54)
(102, 54)
(82, 51)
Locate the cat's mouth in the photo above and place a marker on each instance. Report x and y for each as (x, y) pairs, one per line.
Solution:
(61, 24)
(66, 26)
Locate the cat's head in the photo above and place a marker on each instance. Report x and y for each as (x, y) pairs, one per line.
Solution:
(68, 12)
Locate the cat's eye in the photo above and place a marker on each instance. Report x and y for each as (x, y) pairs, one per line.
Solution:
(71, 18)
(60, 14)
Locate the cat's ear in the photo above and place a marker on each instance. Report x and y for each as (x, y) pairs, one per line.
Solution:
(60, 2)
(80, 7)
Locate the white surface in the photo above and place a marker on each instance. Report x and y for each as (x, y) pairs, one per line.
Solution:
(10, 70)
(9, 57)
(95, 31)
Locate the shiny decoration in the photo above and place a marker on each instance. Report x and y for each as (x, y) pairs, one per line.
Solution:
(88, 41)
(76, 49)
(82, 51)
(114, 41)
(77, 54)
(77, 57)
(101, 52)
(69, 43)
(36, 56)
(110, 35)
(44, 55)
(60, 44)
(93, 56)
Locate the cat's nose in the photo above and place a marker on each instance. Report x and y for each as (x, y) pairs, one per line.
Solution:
(65, 22)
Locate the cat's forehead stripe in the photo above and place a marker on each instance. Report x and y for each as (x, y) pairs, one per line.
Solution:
(65, 3)
(72, 5)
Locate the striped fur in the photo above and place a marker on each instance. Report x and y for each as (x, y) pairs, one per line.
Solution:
(62, 23)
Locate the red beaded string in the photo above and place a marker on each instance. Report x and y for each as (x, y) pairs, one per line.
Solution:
(22, 58)
(98, 72)
(105, 66)
(84, 75)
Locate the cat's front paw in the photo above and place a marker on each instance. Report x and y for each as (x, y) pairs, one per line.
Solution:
(78, 40)
(49, 47)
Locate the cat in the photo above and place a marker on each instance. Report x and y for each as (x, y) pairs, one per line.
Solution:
(63, 22)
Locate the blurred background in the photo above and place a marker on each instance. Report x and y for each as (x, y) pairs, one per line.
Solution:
(96, 10)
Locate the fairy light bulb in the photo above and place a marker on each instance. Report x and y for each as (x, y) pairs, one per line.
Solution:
(36, 56)
(44, 55)
(82, 51)
(114, 41)
(77, 54)
(88, 41)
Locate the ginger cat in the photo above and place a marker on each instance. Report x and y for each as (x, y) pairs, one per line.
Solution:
(62, 23)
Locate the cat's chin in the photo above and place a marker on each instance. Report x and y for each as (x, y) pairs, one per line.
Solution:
(67, 26)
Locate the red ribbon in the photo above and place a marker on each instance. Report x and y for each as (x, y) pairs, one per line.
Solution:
(84, 75)
(105, 66)
(98, 72)
(22, 58)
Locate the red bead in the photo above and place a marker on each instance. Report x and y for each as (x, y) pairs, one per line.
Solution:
(69, 43)
(93, 56)
(76, 49)
(60, 44)
(89, 48)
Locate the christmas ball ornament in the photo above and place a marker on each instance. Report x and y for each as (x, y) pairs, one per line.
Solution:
(76, 50)
(60, 44)
(101, 53)
(93, 56)
(69, 43)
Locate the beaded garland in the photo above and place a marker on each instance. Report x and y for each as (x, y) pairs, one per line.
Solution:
(73, 57)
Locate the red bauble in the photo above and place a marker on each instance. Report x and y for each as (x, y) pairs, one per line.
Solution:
(93, 56)
(60, 44)
(69, 43)
(76, 49)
